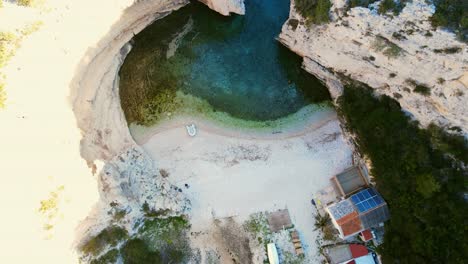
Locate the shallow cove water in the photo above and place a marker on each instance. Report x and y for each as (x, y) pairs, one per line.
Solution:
(195, 61)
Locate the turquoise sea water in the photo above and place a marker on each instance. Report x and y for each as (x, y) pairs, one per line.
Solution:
(233, 65)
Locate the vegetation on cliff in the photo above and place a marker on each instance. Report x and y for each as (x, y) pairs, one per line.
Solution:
(363, 3)
(452, 14)
(110, 236)
(315, 11)
(27, 2)
(420, 174)
(158, 240)
(384, 7)
(9, 42)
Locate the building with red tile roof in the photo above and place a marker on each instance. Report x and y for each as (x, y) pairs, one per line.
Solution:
(363, 210)
(349, 254)
(366, 235)
(358, 250)
(350, 224)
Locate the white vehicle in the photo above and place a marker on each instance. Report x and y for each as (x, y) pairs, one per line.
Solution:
(272, 254)
(191, 130)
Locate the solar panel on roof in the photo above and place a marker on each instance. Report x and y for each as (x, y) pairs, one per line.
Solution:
(366, 194)
(366, 200)
(378, 200)
(364, 207)
(361, 196)
(361, 208)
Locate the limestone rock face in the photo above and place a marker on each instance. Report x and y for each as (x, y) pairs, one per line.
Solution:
(130, 179)
(127, 177)
(225, 7)
(393, 55)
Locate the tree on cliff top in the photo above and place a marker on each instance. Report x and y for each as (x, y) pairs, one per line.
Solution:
(419, 172)
(315, 11)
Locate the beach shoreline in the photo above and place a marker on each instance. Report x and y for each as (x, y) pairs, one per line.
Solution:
(307, 119)
(229, 174)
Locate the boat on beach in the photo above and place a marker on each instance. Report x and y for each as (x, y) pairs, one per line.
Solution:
(191, 130)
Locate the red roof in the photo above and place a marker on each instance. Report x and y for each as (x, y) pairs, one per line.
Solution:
(350, 224)
(358, 250)
(366, 235)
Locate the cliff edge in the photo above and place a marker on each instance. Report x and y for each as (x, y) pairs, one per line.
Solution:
(401, 56)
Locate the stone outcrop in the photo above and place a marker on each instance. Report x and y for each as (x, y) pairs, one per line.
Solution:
(393, 55)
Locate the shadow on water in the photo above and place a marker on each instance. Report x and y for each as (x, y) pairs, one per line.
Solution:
(233, 64)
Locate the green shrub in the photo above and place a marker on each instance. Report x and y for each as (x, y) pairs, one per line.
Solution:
(110, 236)
(451, 14)
(168, 236)
(293, 23)
(449, 50)
(8, 43)
(26, 2)
(421, 183)
(419, 87)
(386, 5)
(398, 36)
(315, 11)
(422, 89)
(448, 143)
(426, 185)
(321, 221)
(362, 3)
(154, 213)
(175, 255)
(305, 7)
(136, 251)
(108, 258)
(387, 47)
(162, 231)
(158, 240)
(30, 28)
(119, 215)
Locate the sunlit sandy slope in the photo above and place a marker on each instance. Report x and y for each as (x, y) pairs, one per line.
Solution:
(39, 138)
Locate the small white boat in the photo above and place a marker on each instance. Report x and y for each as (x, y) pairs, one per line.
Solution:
(272, 254)
(191, 130)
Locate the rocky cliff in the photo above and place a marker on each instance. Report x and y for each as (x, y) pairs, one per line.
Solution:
(225, 7)
(127, 177)
(401, 56)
